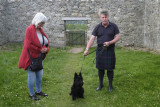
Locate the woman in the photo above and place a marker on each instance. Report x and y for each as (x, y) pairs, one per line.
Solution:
(36, 42)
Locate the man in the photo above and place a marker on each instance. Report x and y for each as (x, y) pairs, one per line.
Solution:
(107, 34)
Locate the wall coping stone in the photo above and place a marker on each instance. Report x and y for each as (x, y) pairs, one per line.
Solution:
(76, 18)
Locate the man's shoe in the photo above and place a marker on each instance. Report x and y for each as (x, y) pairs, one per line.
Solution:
(99, 87)
(34, 97)
(41, 93)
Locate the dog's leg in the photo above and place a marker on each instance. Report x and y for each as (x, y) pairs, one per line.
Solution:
(73, 97)
(81, 96)
(81, 92)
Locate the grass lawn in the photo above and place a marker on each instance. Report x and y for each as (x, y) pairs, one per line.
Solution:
(136, 80)
(76, 27)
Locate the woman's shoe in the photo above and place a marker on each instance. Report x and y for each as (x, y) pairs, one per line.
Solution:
(34, 97)
(41, 93)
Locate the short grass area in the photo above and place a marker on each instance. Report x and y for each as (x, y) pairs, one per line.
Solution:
(76, 27)
(136, 80)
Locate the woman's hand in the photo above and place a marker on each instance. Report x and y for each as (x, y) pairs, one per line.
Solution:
(85, 52)
(44, 50)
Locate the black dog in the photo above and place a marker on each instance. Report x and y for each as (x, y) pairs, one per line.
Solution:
(77, 90)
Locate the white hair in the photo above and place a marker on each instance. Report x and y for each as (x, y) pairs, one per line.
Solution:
(38, 18)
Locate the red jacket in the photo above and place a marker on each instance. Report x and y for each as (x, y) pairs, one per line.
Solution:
(31, 42)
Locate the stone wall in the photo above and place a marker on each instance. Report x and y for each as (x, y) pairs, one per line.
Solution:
(130, 16)
(3, 36)
(152, 24)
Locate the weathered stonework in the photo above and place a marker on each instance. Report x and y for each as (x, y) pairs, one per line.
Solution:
(138, 20)
(3, 36)
(152, 24)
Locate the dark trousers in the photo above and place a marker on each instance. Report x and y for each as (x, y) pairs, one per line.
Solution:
(101, 75)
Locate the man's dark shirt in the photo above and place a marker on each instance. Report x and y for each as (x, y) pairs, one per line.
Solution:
(105, 34)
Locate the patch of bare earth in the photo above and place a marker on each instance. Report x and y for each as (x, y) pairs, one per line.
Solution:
(76, 50)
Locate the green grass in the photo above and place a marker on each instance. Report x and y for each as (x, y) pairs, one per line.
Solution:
(136, 80)
(76, 27)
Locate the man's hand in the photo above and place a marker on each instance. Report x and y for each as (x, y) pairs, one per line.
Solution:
(85, 52)
(106, 44)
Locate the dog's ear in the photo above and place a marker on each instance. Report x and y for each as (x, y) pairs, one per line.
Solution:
(75, 75)
(80, 74)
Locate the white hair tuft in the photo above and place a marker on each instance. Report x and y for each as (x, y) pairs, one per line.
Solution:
(38, 18)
